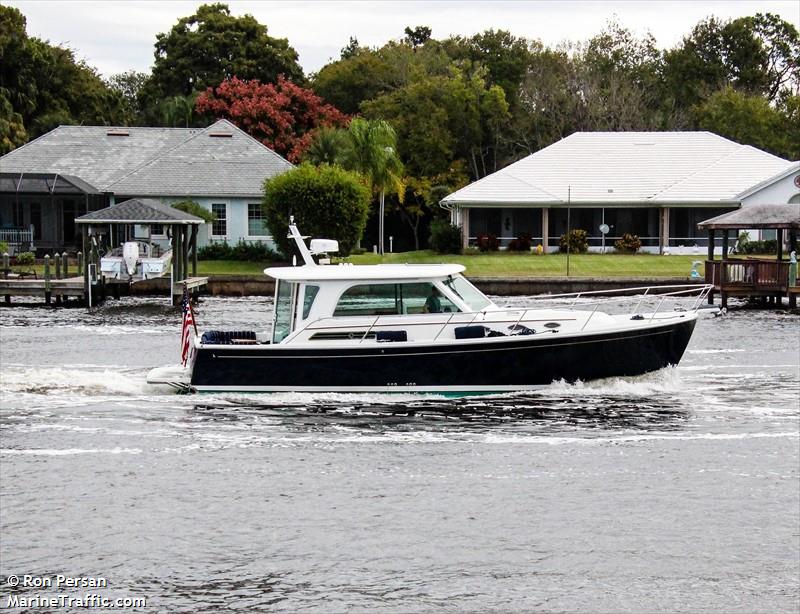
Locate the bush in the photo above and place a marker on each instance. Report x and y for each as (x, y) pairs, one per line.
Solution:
(252, 252)
(3, 247)
(760, 247)
(25, 258)
(190, 206)
(488, 243)
(628, 244)
(326, 201)
(521, 244)
(445, 238)
(578, 242)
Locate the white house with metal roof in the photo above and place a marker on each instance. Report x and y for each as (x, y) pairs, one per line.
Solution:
(221, 167)
(657, 185)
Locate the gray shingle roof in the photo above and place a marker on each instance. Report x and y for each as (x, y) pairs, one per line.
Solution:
(757, 216)
(140, 211)
(153, 161)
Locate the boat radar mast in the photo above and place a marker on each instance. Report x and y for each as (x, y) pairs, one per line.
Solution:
(318, 246)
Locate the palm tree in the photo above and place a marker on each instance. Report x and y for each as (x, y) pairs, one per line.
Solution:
(372, 151)
(326, 146)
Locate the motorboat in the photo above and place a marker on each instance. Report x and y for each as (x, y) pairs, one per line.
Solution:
(426, 328)
(135, 261)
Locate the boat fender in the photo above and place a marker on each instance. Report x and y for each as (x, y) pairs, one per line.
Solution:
(519, 329)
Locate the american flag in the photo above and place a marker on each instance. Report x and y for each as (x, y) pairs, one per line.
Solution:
(188, 327)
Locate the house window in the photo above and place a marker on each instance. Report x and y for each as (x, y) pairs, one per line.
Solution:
(256, 224)
(219, 227)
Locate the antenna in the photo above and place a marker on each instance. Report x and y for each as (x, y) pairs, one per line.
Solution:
(301, 244)
(569, 202)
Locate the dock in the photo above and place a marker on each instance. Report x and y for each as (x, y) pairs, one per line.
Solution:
(764, 280)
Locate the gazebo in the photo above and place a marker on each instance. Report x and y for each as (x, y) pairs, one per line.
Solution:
(753, 277)
(149, 212)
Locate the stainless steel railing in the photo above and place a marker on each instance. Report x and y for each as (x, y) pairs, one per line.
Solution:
(700, 292)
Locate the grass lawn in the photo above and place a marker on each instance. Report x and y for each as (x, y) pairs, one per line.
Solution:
(503, 264)
(494, 264)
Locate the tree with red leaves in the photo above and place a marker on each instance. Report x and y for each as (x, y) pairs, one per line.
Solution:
(281, 115)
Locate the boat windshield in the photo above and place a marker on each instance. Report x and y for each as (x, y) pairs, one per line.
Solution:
(282, 321)
(468, 293)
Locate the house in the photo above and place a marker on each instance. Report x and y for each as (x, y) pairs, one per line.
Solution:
(657, 185)
(73, 170)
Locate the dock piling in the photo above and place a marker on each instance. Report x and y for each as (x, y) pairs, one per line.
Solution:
(65, 264)
(57, 259)
(48, 283)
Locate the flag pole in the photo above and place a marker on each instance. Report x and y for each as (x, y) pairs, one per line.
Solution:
(569, 201)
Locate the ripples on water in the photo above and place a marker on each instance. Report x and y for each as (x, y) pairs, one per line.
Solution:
(677, 491)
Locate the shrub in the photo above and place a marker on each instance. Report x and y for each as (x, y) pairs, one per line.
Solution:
(252, 252)
(488, 243)
(628, 244)
(326, 201)
(445, 238)
(190, 206)
(578, 242)
(760, 247)
(521, 244)
(3, 247)
(25, 258)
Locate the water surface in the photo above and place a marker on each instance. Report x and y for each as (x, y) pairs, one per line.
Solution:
(678, 491)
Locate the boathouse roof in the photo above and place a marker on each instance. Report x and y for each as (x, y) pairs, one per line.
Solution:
(757, 217)
(139, 211)
(220, 160)
(627, 168)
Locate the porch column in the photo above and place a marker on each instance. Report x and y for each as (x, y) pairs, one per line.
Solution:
(663, 231)
(85, 272)
(710, 267)
(545, 228)
(779, 241)
(194, 250)
(464, 227)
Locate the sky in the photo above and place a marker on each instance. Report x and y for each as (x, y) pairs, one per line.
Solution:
(116, 36)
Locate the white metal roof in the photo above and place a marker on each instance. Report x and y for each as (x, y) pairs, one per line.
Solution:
(627, 168)
(364, 272)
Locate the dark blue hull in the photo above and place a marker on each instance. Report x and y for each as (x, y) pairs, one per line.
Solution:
(508, 363)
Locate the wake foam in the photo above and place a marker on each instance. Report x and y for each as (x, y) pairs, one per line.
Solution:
(92, 380)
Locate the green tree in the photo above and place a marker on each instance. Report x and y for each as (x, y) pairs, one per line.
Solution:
(129, 85)
(749, 120)
(758, 55)
(45, 86)
(326, 201)
(371, 150)
(505, 57)
(210, 46)
(440, 119)
(326, 146)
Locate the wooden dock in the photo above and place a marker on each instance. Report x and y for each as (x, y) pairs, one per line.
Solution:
(60, 289)
(767, 280)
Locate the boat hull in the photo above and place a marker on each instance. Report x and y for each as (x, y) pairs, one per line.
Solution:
(503, 364)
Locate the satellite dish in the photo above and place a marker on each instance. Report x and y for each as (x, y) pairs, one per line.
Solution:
(604, 228)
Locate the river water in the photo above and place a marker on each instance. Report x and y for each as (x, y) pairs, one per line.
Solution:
(674, 492)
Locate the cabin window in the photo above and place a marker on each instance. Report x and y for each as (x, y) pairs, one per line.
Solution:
(282, 321)
(424, 298)
(309, 294)
(468, 293)
(392, 299)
